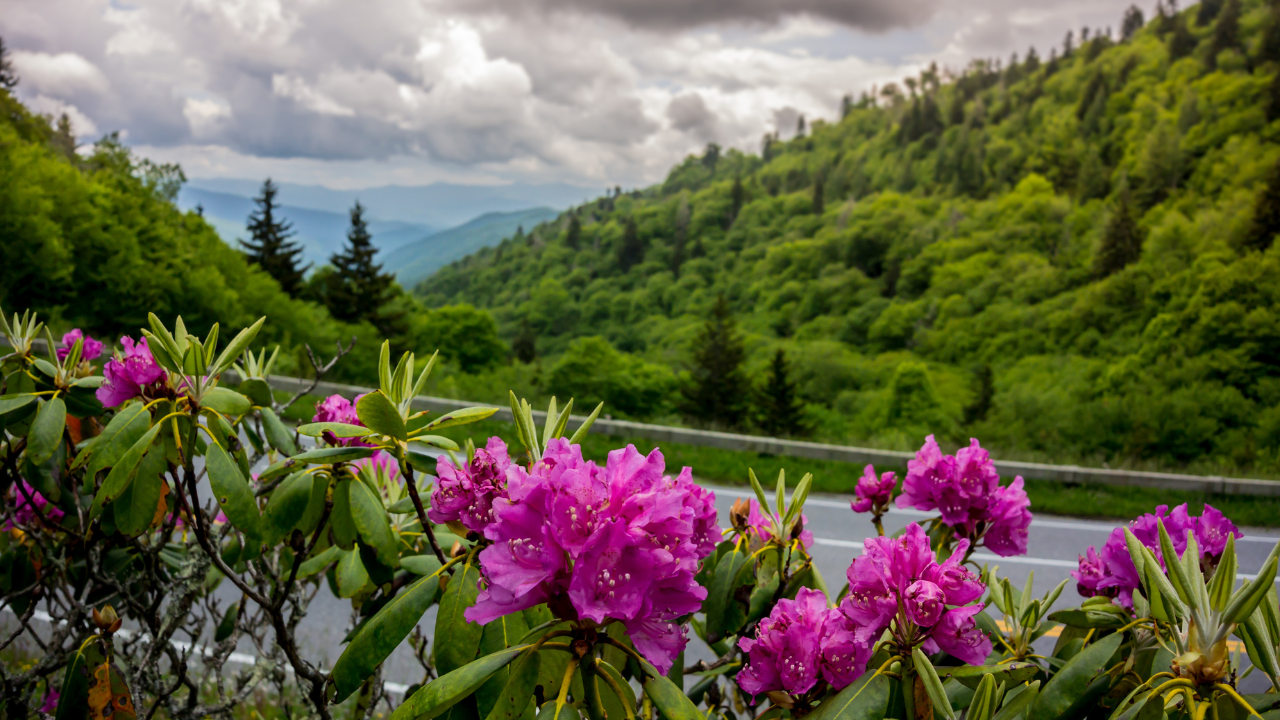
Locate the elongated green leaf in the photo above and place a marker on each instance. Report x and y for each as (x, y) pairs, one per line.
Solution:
(122, 472)
(759, 489)
(420, 564)
(459, 417)
(313, 565)
(237, 346)
(1261, 651)
(517, 693)
(1011, 673)
(1224, 577)
(286, 506)
(1247, 600)
(277, 434)
(46, 431)
(226, 401)
(1177, 575)
(321, 456)
(933, 685)
(667, 698)
(866, 698)
(379, 414)
(585, 427)
(551, 710)
(232, 490)
(1070, 683)
(129, 424)
(257, 390)
(227, 625)
(464, 637)
(340, 430)
(344, 527)
(382, 634)
(439, 441)
(404, 505)
(352, 575)
(499, 634)
(13, 402)
(74, 703)
(136, 507)
(370, 519)
(723, 583)
(982, 706)
(1014, 706)
(1088, 618)
(442, 693)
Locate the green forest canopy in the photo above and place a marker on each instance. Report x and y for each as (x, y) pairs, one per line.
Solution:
(1070, 257)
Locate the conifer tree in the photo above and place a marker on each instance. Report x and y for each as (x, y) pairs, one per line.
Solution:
(357, 288)
(525, 346)
(800, 127)
(64, 137)
(780, 412)
(573, 236)
(978, 410)
(1269, 46)
(736, 198)
(8, 78)
(681, 235)
(1209, 10)
(269, 247)
(1226, 32)
(718, 392)
(1266, 214)
(1181, 43)
(818, 199)
(630, 250)
(1132, 23)
(1121, 238)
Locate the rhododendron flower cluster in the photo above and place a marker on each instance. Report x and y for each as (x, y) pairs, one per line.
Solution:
(800, 642)
(466, 494)
(873, 494)
(897, 584)
(337, 409)
(759, 527)
(129, 373)
(596, 544)
(965, 489)
(1112, 573)
(90, 349)
(24, 511)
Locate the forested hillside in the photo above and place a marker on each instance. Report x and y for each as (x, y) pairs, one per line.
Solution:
(1068, 254)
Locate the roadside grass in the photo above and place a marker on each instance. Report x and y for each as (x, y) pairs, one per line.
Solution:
(728, 467)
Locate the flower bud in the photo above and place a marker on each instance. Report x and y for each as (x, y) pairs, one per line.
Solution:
(106, 620)
(738, 515)
(925, 603)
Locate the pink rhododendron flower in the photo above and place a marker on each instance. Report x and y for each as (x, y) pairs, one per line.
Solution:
(760, 526)
(50, 704)
(128, 374)
(897, 584)
(619, 542)
(965, 489)
(90, 350)
(24, 511)
(1112, 572)
(873, 493)
(801, 642)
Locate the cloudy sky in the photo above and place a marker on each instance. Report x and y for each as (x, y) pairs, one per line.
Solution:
(591, 92)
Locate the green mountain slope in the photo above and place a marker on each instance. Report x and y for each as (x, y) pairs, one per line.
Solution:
(414, 261)
(1056, 255)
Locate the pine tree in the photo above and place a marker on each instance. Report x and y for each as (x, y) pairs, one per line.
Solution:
(630, 250)
(1132, 23)
(800, 127)
(269, 247)
(719, 389)
(780, 412)
(681, 235)
(846, 105)
(1266, 214)
(525, 346)
(573, 236)
(1209, 10)
(64, 137)
(1226, 32)
(8, 78)
(1182, 43)
(978, 410)
(736, 198)
(357, 288)
(818, 199)
(1121, 238)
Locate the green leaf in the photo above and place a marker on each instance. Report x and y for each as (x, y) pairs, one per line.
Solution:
(1177, 574)
(1247, 599)
(982, 706)
(381, 635)
(340, 521)
(442, 693)
(237, 346)
(459, 417)
(232, 490)
(720, 594)
(9, 403)
(379, 414)
(404, 505)
(464, 637)
(670, 700)
(226, 401)
(74, 703)
(1070, 683)
(1258, 644)
(755, 485)
(420, 564)
(323, 456)
(1089, 617)
(517, 693)
(370, 519)
(1013, 707)
(277, 434)
(1224, 577)
(439, 441)
(122, 472)
(1014, 673)
(46, 431)
(286, 506)
(499, 634)
(352, 575)
(582, 430)
(129, 424)
(866, 698)
(257, 390)
(136, 507)
(552, 711)
(315, 564)
(227, 625)
(339, 430)
(932, 685)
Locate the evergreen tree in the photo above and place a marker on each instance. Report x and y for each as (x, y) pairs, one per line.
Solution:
(525, 346)
(1273, 98)
(357, 288)
(800, 127)
(630, 250)
(1209, 10)
(1032, 63)
(64, 137)
(818, 200)
(269, 247)
(1266, 214)
(1226, 32)
(8, 78)
(1269, 47)
(1133, 22)
(1121, 238)
(719, 389)
(573, 237)
(681, 235)
(846, 105)
(780, 412)
(983, 395)
(1182, 43)
(736, 197)
(711, 157)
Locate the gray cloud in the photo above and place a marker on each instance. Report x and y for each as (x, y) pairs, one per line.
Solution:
(689, 113)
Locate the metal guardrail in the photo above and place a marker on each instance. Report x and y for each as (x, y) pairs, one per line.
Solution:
(1067, 474)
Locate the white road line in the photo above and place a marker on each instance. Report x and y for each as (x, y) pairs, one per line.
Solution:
(236, 657)
(1057, 524)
